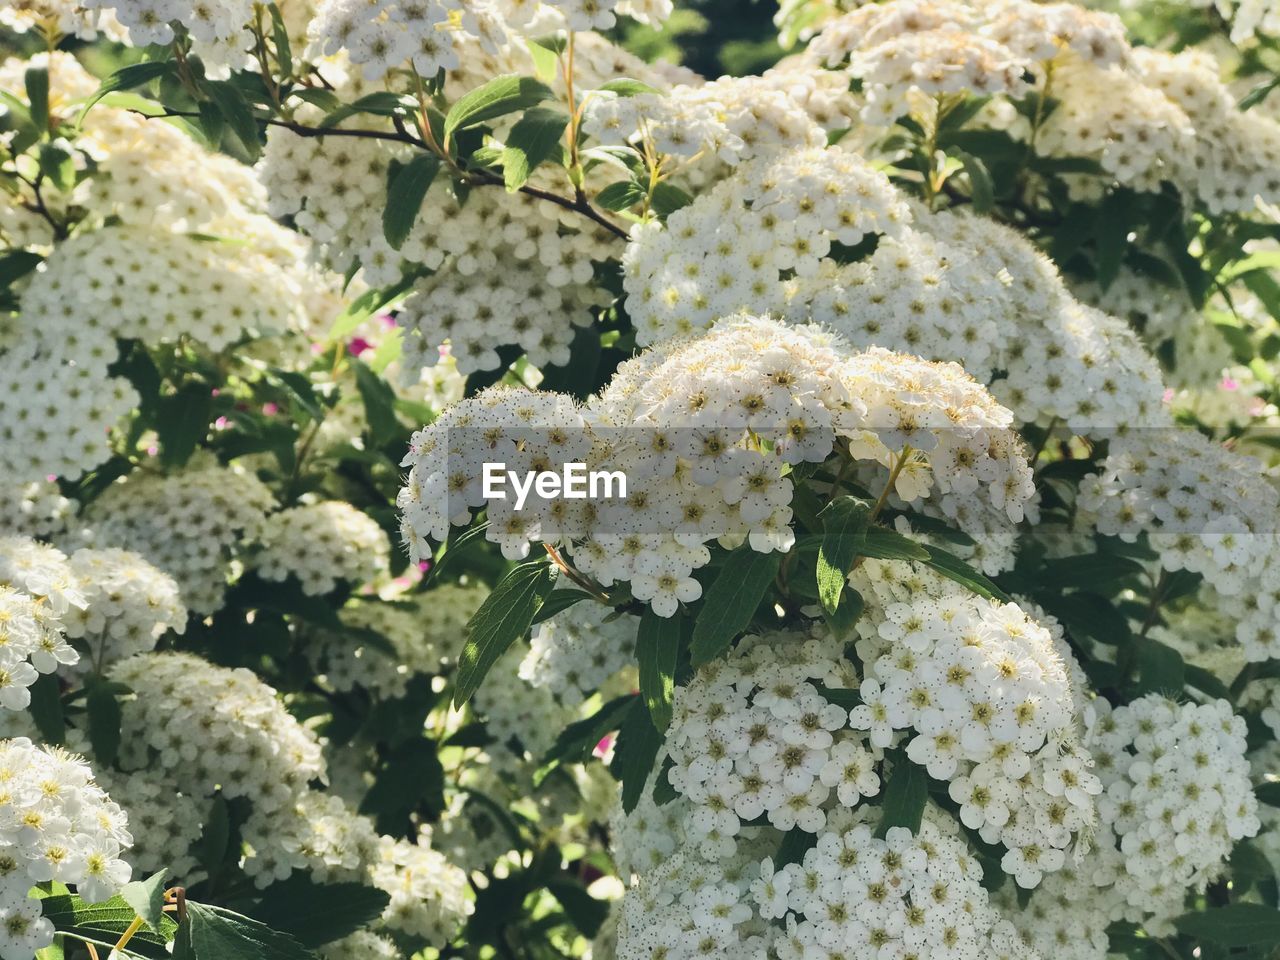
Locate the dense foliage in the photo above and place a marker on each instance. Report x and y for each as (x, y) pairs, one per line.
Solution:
(936, 340)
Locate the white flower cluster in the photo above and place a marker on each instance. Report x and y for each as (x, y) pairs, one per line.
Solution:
(188, 524)
(37, 589)
(167, 824)
(1177, 799)
(704, 430)
(423, 631)
(219, 29)
(577, 651)
(56, 824)
(362, 945)
(515, 710)
(321, 544)
(945, 285)
(35, 509)
(853, 894)
(1203, 508)
(732, 119)
(59, 18)
(428, 893)
(130, 605)
(991, 703)
(209, 728)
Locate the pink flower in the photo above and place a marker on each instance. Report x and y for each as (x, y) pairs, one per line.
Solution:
(270, 409)
(358, 346)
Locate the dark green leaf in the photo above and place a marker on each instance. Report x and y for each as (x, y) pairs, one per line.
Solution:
(668, 198)
(236, 111)
(953, 568)
(558, 601)
(844, 522)
(795, 844)
(412, 776)
(1268, 793)
(58, 165)
(379, 405)
(1114, 224)
(215, 933)
(731, 601)
(407, 186)
(657, 650)
(626, 87)
(104, 923)
(578, 741)
(1237, 925)
(882, 543)
(504, 617)
(37, 82)
(498, 97)
(16, 265)
(126, 78)
(904, 796)
(280, 33)
(46, 708)
(382, 104)
(319, 913)
(212, 848)
(981, 189)
(1092, 571)
(182, 422)
(634, 753)
(1258, 93)
(104, 722)
(326, 100)
(621, 195)
(534, 138)
(146, 897)
(585, 912)
(1160, 668)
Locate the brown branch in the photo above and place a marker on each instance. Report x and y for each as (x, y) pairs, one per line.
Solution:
(480, 178)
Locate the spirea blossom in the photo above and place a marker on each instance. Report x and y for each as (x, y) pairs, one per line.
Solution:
(321, 544)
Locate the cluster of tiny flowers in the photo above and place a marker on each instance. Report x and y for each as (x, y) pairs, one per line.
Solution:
(219, 29)
(1177, 799)
(727, 251)
(130, 605)
(990, 702)
(1203, 508)
(35, 509)
(428, 893)
(577, 651)
(733, 119)
(703, 430)
(362, 945)
(321, 544)
(316, 832)
(188, 524)
(603, 14)
(37, 589)
(853, 894)
(167, 824)
(422, 631)
(389, 34)
(209, 728)
(945, 286)
(56, 824)
(60, 18)
(517, 712)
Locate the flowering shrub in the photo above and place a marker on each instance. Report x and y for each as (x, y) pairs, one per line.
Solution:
(929, 608)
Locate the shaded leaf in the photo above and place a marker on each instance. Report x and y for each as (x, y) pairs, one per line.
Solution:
(498, 97)
(657, 650)
(504, 617)
(319, 913)
(534, 138)
(407, 186)
(731, 601)
(634, 753)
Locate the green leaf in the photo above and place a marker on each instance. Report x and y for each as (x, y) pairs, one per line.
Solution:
(667, 198)
(621, 195)
(1160, 668)
(212, 848)
(534, 138)
(981, 188)
(634, 753)
(953, 568)
(1258, 94)
(497, 98)
(1268, 793)
(326, 100)
(280, 33)
(577, 741)
(585, 912)
(881, 543)
(366, 306)
(795, 844)
(382, 104)
(182, 422)
(731, 601)
(215, 933)
(1092, 571)
(657, 650)
(1114, 224)
(411, 777)
(103, 924)
(126, 78)
(58, 164)
(844, 524)
(235, 109)
(559, 601)
(407, 186)
(16, 265)
(319, 913)
(504, 617)
(37, 82)
(379, 405)
(904, 796)
(146, 897)
(104, 722)
(46, 709)
(1237, 925)
(626, 87)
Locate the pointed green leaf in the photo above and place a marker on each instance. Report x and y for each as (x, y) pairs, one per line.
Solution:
(731, 601)
(534, 138)
(904, 796)
(407, 186)
(626, 87)
(497, 98)
(37, 81)
(215, 933)
(126, 78)
(844, 523)
(634, 753)
(657, 651)
(147, 899)
(1237, 925)
(226, 96)
(104, 722)
(503, 618)
(319, 913)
